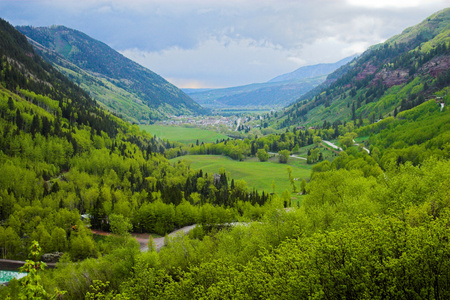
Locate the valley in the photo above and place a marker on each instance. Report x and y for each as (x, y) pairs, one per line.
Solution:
(185, 135)
(274, 94)
(340, 187)
(270, 176)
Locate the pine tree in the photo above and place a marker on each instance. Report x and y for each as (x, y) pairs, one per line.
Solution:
(35, 125)
(19, 120)
(11, 105)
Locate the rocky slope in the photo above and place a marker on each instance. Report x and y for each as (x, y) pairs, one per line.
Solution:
(388, 78)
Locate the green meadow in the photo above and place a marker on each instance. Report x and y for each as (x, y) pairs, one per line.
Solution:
(258, 175)
(183, 134)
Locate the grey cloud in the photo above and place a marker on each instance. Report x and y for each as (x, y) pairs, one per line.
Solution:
(224, 42)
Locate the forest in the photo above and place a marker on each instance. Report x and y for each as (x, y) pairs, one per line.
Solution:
(370, 224)
(62, 156)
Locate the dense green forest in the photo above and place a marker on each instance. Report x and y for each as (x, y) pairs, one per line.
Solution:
(370, 225)
(241, 149)
(62, 156)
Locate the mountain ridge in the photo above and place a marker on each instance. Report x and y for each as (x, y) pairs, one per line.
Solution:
(119, 83)
(275, 93)
(387, 78)
(271, 94)
(312, 70)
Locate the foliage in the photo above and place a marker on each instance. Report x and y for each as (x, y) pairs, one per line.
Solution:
(348, 238)
(394, 76)
(32, 285)
(283, 156)
(262, 155)
(241, 149)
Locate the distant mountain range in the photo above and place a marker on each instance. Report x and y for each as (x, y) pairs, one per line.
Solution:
(388, 78)
(312, 71)
(277, 92)
(116, 82)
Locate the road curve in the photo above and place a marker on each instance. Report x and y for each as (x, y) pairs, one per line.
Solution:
(159, 242)
(332, 145)
(292, 155)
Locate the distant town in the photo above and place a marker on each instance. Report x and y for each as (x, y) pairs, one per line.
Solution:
(232, 123)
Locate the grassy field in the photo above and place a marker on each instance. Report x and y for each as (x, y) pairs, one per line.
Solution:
(183, 134)
(257, 174)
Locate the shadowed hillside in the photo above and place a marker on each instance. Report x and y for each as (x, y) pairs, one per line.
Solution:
(120, 84)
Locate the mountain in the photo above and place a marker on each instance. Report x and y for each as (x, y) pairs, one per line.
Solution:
(277, 92)
(369, 225)
(312, 71)
(269, 94)
(118, 83)
(394, 76)
(62, 155)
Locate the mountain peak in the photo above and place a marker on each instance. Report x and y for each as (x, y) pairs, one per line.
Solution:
(430, 27)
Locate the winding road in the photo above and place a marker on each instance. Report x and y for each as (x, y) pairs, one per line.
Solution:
(238, 124)
(142, 238)
(368, 151)
(332, 145)
(292, 155)
(159, 242)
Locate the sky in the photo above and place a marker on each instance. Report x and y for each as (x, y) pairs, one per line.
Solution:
(223, 43)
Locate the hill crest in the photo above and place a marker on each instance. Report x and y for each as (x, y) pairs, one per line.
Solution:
(117, 82)
(389, 77)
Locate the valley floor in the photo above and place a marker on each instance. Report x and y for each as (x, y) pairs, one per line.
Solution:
(258, 175)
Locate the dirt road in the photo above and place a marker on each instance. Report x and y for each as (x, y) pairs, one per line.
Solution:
(159, 242)
(142, 238)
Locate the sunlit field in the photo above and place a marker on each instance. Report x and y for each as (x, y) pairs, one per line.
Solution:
(258, 175)
(183, 134)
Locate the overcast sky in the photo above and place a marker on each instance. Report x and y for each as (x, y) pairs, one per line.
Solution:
(221, 43)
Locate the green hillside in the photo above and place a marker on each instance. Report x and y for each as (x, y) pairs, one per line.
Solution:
(120, 84)
(388, 78)
(62, 156)
(372, 220)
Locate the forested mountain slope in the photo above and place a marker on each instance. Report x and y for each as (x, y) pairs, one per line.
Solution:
(62, 155)
(388, 78)
(120, 84)
(369, 225)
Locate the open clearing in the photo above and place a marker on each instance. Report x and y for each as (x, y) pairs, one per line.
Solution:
(258, 175)
(183, 134)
